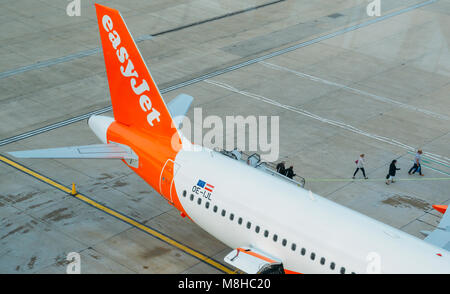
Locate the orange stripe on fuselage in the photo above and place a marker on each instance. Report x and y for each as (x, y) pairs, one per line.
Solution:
(153, 151)
(249, 252)
(288, 272)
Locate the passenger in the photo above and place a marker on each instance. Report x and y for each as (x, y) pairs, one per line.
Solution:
(417, 164)
(392, 170)
(360, 166)
(290, 172)
(281, 168)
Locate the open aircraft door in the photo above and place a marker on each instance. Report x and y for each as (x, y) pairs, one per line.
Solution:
(168, 173)
(253, 261)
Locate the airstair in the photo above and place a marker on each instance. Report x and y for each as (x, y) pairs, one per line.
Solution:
(254, 160)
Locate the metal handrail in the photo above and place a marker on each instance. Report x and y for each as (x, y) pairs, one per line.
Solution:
(268, 167)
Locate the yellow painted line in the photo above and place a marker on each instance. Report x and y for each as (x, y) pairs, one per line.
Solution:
(120, 216)
(34, 174)
(155, 233)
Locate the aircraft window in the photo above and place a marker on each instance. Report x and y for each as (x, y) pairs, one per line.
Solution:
(192, 197)
(275, 237)
(353, 273)
(184, 193)
(313, 256)
(266, 233)
(249, 225)
(257, 229)
(284, 242)
(207, 205)
(223, 212)
(322, 261)
(231, 216)
(332, 265)
(342, 270)
(303, 251)
(240, 220)
(293, 246)
(199, 201)
(215, 208)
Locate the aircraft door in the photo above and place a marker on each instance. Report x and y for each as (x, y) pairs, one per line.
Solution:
(166, 179)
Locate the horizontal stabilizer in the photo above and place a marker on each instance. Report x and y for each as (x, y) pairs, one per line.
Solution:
(441, 208)
(441, 235)
(178, 108)
(107, 151)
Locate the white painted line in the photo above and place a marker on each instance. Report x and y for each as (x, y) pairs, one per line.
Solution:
(191, 81)
(350, 89)
(432, 168)
(93, 51)
(433, 160)
(324, 120)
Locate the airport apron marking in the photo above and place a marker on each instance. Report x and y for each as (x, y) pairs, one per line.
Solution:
(119, 216)
(89, 52)
(200, 78)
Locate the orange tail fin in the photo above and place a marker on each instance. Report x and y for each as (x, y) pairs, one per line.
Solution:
(135, 98)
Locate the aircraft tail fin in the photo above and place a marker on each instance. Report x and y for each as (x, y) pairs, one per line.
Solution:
(135, 97)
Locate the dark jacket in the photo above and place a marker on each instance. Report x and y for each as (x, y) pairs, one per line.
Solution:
(290, 173)
(393, 169)
(281, 168)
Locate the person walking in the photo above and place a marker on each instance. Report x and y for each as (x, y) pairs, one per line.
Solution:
(360, 166)
(290, 172)
(417, 164)
(392, 170)
(281, 168)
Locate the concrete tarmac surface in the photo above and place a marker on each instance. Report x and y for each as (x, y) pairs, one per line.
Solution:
(341, 82)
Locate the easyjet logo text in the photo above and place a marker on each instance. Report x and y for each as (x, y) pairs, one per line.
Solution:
(140, 87)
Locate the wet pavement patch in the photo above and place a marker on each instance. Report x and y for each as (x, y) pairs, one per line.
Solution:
(61, 261)
(32, 262)
(18, 198)
(119, 183)
(158, 251)
(105, 176)
(335, 15)
(57, 215)
(12, 232)
(407, 201)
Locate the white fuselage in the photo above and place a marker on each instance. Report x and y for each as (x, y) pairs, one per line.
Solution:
(329, 231)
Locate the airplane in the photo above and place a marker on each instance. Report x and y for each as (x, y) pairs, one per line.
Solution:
(273, 225)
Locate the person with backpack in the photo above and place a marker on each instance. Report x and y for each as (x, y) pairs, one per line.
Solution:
(360, 166)
(281, 168)
(392, 170)
(417, 164)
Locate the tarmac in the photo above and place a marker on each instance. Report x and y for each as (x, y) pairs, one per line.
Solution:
(341, 82)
